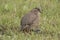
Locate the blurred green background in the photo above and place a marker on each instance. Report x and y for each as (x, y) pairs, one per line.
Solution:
(11, 12)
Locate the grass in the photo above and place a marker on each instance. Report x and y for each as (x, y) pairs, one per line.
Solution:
(11, 12)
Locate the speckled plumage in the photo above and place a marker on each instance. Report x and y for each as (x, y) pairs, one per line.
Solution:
(30, 20)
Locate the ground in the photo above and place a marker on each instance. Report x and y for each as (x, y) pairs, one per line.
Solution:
(11, 12)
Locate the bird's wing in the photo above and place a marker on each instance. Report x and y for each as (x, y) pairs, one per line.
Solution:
(28, 19)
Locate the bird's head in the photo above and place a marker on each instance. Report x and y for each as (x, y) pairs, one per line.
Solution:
(36, 11)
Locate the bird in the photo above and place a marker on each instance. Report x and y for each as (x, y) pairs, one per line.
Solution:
(30, 21)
